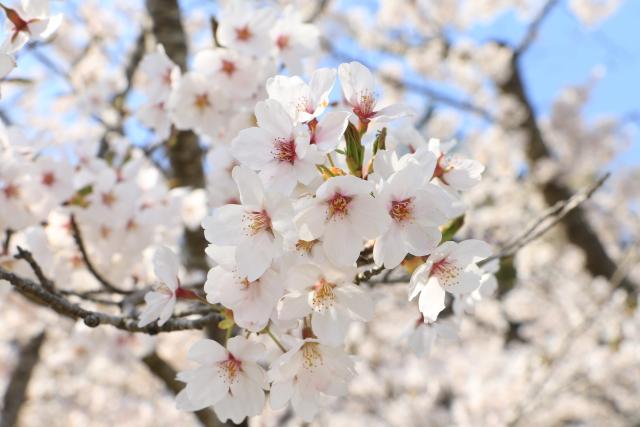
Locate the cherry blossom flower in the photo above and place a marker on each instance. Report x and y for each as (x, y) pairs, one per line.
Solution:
(306, 373)
(230, 70)
(303, 101)
(255, 228)
(294, 39)
(329, 296)
(228, 379)
(416, 210)
(277, 149)
(161, 72)
(451, 268)
(245, 28)
(458, 173)
(195, 104)
(344, 213)
(423, 335)
(358, 90)
(160, 302)
(252, 302)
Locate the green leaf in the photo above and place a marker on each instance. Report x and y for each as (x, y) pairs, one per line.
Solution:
(452, 228)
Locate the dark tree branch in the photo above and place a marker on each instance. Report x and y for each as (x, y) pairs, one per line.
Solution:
(183, 149)
(28, 257)
(16, 394)
(77, 237)
(167, 374)
(62, 306)
(534, 27)
(578, 230)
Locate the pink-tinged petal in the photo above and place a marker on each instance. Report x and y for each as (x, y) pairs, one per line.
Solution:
(253, 147)
(272, 117)
(224, 256)
(280, 394)
(165, 267)
(385, 163)
(418, 280)
(207, 352)
(250, 398)
(355, 80)
(249, 186)
(321, 85)
(167, 311)
(224, 225)
(255, 373)
(470, 251)
(293, 306)
(468, 281)
(421, 240)
(254, 256)
(431, 301)
(368, 217)
(280, 177)
(393, 112)
(306, 171)
(330, 326)
(243, 349)
(155, 304)
(310, 221)
(389, 249)
(217, 283)
(341, 244)
(330, 129)
(356, 300)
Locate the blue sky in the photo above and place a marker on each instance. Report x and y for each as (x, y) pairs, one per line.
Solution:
(567, 53)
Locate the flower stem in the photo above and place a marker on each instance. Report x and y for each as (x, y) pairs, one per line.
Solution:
(275, 340)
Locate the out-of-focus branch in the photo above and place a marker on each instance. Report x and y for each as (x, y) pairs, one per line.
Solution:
(16, 394)
(61, 305)
(77, 237)
(534, 27)
(538, 227)
(419, 88)
(547, 220)
(119, 99)
(578, 230)
(320, 8)
(183, 149)
(167, 374)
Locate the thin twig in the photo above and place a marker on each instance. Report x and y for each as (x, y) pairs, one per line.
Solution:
(77, 237)
(534, 27)
(547, 220)
(28, 257)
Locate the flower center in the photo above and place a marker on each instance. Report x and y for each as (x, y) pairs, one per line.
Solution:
(256, 222)
(108, 199)
(229, 369)
(282, 42)
(401, 210)
(284, 150)
(311, 356)
(228, 67)
(202, 101)
(306, 246)
(48, 179)
(323, 295)
(364, 108)
(447, 272)
(11, 191)
(339, 205)
(243, 33)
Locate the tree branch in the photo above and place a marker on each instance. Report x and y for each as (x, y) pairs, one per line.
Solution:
(167, 374)
(16, 394)
(62, 306)
(534, 27)
(77, 237)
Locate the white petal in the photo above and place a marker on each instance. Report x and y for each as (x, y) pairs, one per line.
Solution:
(165, 267)
(293, 306)
(252, 147)
(356, 300)
(249, 186)
(431, 301)
(272, 117)
(207, 352)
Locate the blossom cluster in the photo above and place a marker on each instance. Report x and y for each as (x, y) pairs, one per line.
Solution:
(325, 194)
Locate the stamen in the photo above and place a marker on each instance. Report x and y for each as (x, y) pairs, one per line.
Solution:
(243, 33)
(401, 210)
(311, 355)
(256, 222)
(229, 369)
(447, 272)
(338, 206)
(284, 150)
(323, 296)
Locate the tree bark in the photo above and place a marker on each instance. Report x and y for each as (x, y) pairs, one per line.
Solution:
(16, 394)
